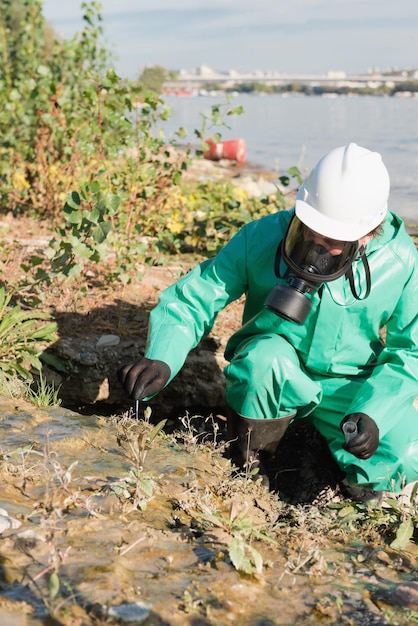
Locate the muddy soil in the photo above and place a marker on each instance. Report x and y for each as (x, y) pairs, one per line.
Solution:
(104, 520)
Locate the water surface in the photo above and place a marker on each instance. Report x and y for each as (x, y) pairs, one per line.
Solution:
(284, 131)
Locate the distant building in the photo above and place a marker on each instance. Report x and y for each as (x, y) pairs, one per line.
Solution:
(200, 77)
(336, 75)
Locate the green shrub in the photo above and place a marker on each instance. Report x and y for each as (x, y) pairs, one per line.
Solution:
(84, 149)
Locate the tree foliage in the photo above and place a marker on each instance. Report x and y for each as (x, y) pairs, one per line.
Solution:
(153, 78)
(85, 149)
(64, 112)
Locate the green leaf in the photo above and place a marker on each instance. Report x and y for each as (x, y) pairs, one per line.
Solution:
(236, 551)
(239, 110)
(114, 203)
(81, 250)
(147, 486)
(21, 371)
(257, 558)
(54, 585)
(403, 534)
(73, 270)
(101, 231)
(32, 360)
(73, 200)
(346, 511)
(54, 361)
(294, 172)
(94, 186)
(414, 493)
(157, 429)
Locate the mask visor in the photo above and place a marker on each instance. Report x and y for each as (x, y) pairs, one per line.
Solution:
(314, 257)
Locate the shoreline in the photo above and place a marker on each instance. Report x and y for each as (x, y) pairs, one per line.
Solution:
(255, 179)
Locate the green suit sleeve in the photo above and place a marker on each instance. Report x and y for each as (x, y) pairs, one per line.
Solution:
(392, 387)
(186, 311)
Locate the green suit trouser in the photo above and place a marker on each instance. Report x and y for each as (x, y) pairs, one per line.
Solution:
(265, 379)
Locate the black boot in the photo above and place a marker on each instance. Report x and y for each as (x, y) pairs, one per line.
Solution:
(254, 440)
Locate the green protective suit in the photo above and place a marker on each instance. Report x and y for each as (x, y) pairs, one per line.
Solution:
(332, 365)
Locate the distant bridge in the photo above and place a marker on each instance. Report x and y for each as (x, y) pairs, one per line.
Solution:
(338, 79)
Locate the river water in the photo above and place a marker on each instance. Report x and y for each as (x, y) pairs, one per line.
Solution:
(295, 130)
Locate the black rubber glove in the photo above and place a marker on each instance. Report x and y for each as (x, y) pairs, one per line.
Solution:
(144, 377)
(364, 443)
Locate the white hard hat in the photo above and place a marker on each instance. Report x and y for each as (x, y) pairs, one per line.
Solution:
(345, 196)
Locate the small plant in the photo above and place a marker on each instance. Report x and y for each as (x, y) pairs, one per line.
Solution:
(82, 238)
(244, 557)
(42, 471)
(395, 518)
(218, 114)
(44, 394)
(406, 512)
(136, 439)
(23, 335)
(199, 431)
(242, 530)
(135, 488)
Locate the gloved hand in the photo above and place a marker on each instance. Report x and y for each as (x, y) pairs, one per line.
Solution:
(363, 444)
(144, 377)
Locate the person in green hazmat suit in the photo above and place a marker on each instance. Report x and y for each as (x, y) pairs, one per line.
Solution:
(329, 330)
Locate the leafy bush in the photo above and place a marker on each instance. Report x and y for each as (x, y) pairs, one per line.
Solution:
(84, 149)
(65, 115)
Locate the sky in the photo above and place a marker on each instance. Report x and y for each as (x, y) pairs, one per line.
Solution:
(286, 36)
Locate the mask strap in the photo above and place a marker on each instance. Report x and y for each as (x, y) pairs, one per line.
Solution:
(278, 259)
(350, 276)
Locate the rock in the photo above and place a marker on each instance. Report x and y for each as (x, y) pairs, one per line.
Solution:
(255, 181)
(127, 613)
(256, 187)
(12, 618)
(31, 535)
(403, 594)
(6, 522)
(106, 341)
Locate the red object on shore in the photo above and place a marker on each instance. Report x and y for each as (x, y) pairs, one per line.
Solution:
(232, 149)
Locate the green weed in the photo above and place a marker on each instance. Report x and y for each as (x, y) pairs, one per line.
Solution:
(136, 488)
(44, 394)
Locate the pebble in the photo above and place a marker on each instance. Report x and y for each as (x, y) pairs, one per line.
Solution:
(31, 535)
(6, 522)
(106, 341)
(135, 612)
(87, 358)
(256, 187)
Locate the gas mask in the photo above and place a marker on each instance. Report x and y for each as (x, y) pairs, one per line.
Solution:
(311, 260)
